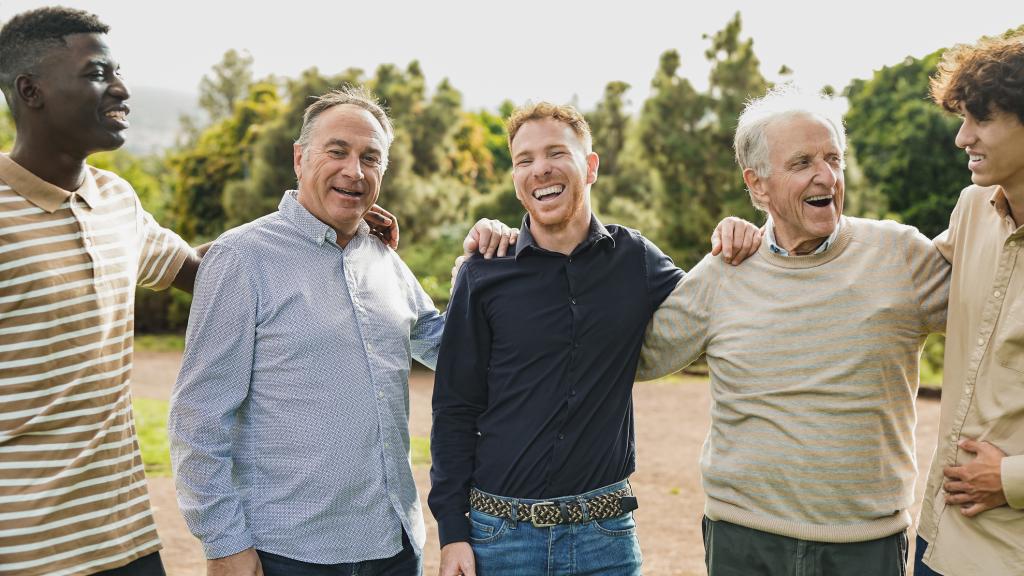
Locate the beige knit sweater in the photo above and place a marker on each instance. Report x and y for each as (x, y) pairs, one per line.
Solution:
(814, 371)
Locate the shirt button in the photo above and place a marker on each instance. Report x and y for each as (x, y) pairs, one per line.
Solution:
(1013, 243)
(387, 445)
(997, 293)
(561, 436)
(380, 394)
(572, 392)
(981, 341)
(573, 300)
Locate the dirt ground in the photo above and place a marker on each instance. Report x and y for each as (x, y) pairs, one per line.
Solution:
(671, 421)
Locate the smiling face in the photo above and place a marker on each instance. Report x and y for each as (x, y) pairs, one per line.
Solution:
(340, 168)
(804, 192)
(552, 173)
(995, 149)
(83, 96)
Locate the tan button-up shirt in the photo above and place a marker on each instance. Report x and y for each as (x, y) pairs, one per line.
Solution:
(983, 386)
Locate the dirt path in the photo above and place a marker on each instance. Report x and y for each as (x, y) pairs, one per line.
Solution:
(672, 420)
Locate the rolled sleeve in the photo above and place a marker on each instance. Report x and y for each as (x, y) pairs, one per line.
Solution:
(213, 382)
(161, 252)
(1013, 481)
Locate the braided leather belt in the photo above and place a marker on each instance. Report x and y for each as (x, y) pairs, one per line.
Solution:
(564, 511)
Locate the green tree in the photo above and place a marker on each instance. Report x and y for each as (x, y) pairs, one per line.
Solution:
(226, 84)
(904, 143)
(7, 130)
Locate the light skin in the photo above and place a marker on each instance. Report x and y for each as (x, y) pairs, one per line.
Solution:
(804, 191)
(548, 156)
(993, 150)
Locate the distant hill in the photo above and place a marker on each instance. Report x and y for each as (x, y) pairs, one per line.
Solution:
(155, 118)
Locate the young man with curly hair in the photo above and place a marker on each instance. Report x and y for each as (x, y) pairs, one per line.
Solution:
(972, 521)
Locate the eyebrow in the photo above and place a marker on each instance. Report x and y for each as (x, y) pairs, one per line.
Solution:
(344, 144)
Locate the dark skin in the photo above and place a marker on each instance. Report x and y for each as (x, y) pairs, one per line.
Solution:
(73, 104)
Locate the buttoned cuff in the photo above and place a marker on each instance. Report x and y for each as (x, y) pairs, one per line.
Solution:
(1013, 481)
(228, 545)
(453, 528)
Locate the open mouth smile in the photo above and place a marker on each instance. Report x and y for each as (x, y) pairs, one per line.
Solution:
(349, 193)
(819, 201)
(549, 193)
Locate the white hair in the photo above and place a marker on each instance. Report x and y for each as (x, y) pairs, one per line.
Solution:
(780, 103)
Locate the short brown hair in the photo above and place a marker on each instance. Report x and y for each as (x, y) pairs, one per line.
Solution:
(564, 113)
(981, 76)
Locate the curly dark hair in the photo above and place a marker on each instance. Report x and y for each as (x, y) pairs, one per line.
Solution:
(982, 76)
(25, 38)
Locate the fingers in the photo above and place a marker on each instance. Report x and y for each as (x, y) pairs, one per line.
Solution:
(953, 487)
(960, 498)
(747, 248)
(728, 229)
(716, 241)
(455, 271)
(968, 445)
(974, 509)
(494, 239)
(953, 472)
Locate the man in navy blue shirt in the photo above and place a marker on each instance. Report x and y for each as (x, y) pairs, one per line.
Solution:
(533, 420)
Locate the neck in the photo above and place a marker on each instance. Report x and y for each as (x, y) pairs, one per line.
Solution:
(1015, 199)
(562, 239)
(344, 237)
(58, 168)
(795, 245)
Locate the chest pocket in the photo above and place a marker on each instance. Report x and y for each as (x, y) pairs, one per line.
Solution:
(1009, 338)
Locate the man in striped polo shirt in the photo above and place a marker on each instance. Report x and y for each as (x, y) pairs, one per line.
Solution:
(74, 243)
(813, 347)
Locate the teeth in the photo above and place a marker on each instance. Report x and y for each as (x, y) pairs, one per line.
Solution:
(116, 114)
(976, 157)
(816, 198)
(538, 194)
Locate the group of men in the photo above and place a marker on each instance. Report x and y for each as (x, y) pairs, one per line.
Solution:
(289, 419)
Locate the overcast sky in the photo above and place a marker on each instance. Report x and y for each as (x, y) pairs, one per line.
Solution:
(528, 49)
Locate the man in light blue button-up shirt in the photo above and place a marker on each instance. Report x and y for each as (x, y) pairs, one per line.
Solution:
(289, 419)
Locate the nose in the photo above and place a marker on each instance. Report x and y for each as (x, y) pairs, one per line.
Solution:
(541, 168)
(119, 88)
(352, 168)
(826, 174)
(965, 136)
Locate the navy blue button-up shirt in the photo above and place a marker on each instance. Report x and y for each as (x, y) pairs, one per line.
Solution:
(533, 393)
(289, 422)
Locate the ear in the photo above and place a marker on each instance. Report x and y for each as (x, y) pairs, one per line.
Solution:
(593, 162)
(28, 92)
(297, 160)
(756, 185)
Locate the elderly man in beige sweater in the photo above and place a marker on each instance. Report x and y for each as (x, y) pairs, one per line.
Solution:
(813, 347)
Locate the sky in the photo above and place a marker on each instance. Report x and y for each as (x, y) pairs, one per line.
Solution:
(563, 51)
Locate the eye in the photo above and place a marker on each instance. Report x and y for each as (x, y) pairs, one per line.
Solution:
(336, 153)
(524, 162)
(371, 160)
(558, 154)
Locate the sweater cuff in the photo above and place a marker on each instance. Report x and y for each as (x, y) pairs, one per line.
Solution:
(1013, 481)
(453, 528)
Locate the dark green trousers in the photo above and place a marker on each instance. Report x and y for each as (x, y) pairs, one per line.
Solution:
(732, 550)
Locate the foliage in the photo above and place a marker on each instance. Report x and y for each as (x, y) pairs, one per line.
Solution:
(226, 84)
(6, 128)
(904, 143)
(151, 429)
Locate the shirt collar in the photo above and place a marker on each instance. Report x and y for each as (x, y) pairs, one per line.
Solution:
(310, 226)
(43, 194)
(1002, 205)
(596, 233)
(769, 235)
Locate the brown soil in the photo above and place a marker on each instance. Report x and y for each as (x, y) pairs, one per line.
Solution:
(672, 419)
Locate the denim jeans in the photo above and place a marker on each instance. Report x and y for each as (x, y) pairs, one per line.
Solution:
(408, 562)
(920, 568)
(593, 547)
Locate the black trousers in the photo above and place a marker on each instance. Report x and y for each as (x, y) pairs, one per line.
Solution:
(733, 550)
(148, 565)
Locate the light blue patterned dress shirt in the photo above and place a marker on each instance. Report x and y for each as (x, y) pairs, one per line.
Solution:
(769, 234)
(289, 422)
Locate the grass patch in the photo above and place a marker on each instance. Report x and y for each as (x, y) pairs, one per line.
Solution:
(680, 378)
(420, 448)
(159, 342)
(151, 427)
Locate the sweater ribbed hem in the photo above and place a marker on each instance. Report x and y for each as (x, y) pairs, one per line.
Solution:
(831, 533)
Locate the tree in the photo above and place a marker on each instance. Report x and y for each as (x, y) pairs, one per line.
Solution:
(7, 130)
(226, 84)
(904, 143)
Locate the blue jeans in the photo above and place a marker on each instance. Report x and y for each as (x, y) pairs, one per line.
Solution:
(920, 569)
(408, 562)
(510, 548)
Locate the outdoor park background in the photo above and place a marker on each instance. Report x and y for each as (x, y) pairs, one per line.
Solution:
(666, 168)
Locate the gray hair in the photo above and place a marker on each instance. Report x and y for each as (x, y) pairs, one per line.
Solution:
(356, 96)
(780, 103)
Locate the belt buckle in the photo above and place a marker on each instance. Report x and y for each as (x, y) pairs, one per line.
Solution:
(533, 515)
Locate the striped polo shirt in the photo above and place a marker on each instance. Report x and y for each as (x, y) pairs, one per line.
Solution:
(73, 496)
